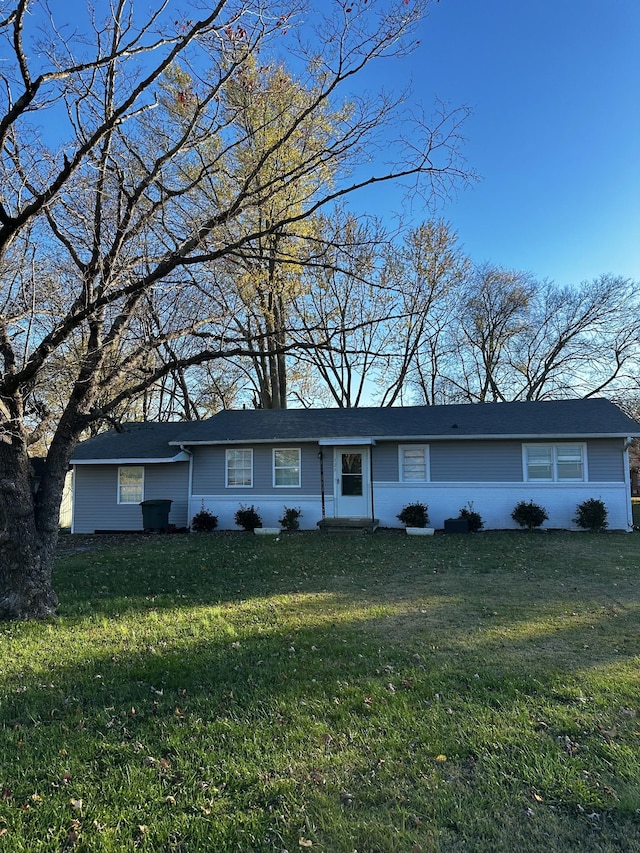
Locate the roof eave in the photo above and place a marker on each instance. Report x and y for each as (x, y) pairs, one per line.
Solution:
(241, 441)
(324, 440)
(133, 460)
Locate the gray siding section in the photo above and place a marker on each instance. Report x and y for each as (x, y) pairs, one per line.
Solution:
(96, 496)
(384, 462)
(493, 461)
(209, 471)
(476, 462)
(606, 460)
(456, 461)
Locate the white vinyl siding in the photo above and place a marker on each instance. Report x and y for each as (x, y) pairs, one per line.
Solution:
(554, 463)
(239, 467)
(286, 467)
(130, 484)
(414, 463)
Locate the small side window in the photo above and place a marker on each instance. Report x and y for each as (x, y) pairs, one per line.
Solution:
(414, 463)
(570, 462)
(539, 462)
(130, 484)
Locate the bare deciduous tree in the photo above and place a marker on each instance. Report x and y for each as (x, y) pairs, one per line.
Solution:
(519, 339)
(343, 313)
(124, 204)
(424, 274)
(494, 310)
(582, 341)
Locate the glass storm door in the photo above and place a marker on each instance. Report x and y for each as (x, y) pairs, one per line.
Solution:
(352, 486)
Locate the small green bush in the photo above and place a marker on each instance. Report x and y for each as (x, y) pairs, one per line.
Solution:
(591, 515)
(414, 515)
(529, 514)
(248, 518)
(290, 519)
(204, 521)
(474, 519)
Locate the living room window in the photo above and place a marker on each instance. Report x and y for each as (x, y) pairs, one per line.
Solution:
(239, 468)
(286, 467)
(414, 462)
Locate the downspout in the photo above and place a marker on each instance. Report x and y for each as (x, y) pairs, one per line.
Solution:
(627, 480)
(373, 513)
(321, 458)
(73, 499)
(190, 514)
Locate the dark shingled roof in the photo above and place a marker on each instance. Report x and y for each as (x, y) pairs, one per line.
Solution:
(548, 419)
(133, 441)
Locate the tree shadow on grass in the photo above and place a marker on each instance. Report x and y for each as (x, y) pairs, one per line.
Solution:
(165, 572)
(280, 694)
(281, 723)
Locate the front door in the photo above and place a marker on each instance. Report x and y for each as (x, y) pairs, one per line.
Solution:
(352, 486)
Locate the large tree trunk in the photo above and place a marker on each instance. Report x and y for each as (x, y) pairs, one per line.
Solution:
(27, 549)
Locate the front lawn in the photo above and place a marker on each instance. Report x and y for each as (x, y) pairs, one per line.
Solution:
(229, 692)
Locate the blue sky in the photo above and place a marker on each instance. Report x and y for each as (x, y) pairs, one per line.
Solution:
(555, 133)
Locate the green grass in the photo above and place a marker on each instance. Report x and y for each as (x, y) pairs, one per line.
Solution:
(374, 693)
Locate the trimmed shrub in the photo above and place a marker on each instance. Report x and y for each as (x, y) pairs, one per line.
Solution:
(591, 515)
(474, 519)
(204, 521)
(248, 518)
(290, 519)
(414, 515)
(529, 514)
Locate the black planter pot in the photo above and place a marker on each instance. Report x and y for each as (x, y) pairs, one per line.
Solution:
(456, 525)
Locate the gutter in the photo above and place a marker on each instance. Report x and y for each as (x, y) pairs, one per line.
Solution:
(73, 498)
(339, 440)
(627, 481)
(190, 514)
(134, 460)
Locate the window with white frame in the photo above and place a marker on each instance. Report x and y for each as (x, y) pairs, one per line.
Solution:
(130, 484)
(286, 467)
(414, 462)
(239, 468)
(553, 463)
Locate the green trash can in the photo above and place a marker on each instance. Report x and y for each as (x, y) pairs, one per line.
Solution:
(155, 515)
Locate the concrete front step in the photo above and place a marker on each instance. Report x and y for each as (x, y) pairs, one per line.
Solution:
(348, 525)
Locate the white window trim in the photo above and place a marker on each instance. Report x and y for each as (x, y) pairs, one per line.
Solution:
(427, 462)
(555, 445)
(299, 466)
(119, 484)
(226, 467)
